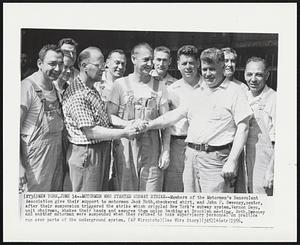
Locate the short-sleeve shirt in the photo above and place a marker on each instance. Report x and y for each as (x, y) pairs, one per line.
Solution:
(243, 85)
(179, 92)
(104, 87)
(213, 114)
(119, 94)
(267, 99)
(83, 107)
(167, 79)
(32, 103)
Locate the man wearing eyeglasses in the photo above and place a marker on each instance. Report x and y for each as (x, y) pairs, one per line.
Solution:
(88, 125)
(68, 47)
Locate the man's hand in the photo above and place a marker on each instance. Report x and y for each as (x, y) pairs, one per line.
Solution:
(164, 160)
(130, 132)
(229, 170)
(139, 125)
(22, 180)
(268, 179)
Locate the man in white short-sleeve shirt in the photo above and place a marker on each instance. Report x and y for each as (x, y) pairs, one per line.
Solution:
(218, 115)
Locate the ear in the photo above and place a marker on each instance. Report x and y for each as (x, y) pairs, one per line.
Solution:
(133, 58)
(39, 63)
(170, 61)
(267, 74)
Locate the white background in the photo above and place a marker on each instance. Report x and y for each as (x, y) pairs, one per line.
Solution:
(255, 17)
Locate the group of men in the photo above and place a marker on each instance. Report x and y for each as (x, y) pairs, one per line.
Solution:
(146, 131)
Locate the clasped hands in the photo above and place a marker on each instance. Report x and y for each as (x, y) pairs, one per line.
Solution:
(135, 127)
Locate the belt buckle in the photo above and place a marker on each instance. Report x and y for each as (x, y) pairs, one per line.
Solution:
(206, 147)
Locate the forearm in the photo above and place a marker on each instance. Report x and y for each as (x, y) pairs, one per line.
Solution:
(239, 141)
(166, 136)
(166, 120)
(101, 133)
(118, 122)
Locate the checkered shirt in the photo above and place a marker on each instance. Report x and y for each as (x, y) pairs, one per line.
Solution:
(83, 107)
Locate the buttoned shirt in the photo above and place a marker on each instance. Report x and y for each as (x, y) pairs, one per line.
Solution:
(213, 114)
(266, 100)
(167, 79)
(83, 107)
(104, 87)
(178, 92)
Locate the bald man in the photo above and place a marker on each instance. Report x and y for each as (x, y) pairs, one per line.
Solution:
(88, 125)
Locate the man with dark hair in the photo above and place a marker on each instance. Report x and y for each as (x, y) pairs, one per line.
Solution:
(230, 57)
(162, 60)
(115, 68)
(140, 161)
(177, 176)
(41, 125)
(88, 126)
(261, 137)
(68, 46)
(218, 115)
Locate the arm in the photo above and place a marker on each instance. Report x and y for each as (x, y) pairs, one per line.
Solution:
(167, 119)
(112, 110)
(230, 167)
(269, 175)
(102, 133)
(22, 176)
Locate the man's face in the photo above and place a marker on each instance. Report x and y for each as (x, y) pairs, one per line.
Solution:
(52, 65)
(212, 73)
(256, 76)
(230, 64)
(143, 60)
(161, 62)
(69, 51)
(95, 66)
(188, 67)
(116, 65)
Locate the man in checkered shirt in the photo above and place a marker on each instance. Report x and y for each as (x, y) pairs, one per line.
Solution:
(88, 125)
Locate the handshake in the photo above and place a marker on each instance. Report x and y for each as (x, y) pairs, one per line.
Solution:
(135, 127)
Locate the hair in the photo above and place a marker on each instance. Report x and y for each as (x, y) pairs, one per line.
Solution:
(119, 51)
(188, 50)
(212, 55)
(47, 48)
(86, 54)
(230, 50)
(67, 41)
(257, 59)
(135, 49)
(163, 49)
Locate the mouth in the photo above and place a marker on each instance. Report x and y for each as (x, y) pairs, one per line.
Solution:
(209, 79)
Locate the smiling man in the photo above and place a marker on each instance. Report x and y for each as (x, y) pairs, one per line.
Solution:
(218, 114)
(68, 46)
(115, 68)
(139, 161)
(41, 125)
(188, 64)
(261, 138)
(230, 57)
(162, 61)
(88, 126)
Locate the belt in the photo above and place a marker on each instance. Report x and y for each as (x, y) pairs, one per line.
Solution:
(208, 148)
(181, 137)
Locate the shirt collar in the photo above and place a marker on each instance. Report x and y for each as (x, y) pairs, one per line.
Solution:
(223, 85)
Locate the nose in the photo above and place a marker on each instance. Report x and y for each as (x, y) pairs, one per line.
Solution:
(58, 67)
(208, 72)
(149, 63)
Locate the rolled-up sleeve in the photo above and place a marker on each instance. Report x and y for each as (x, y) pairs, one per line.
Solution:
(241, 108)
